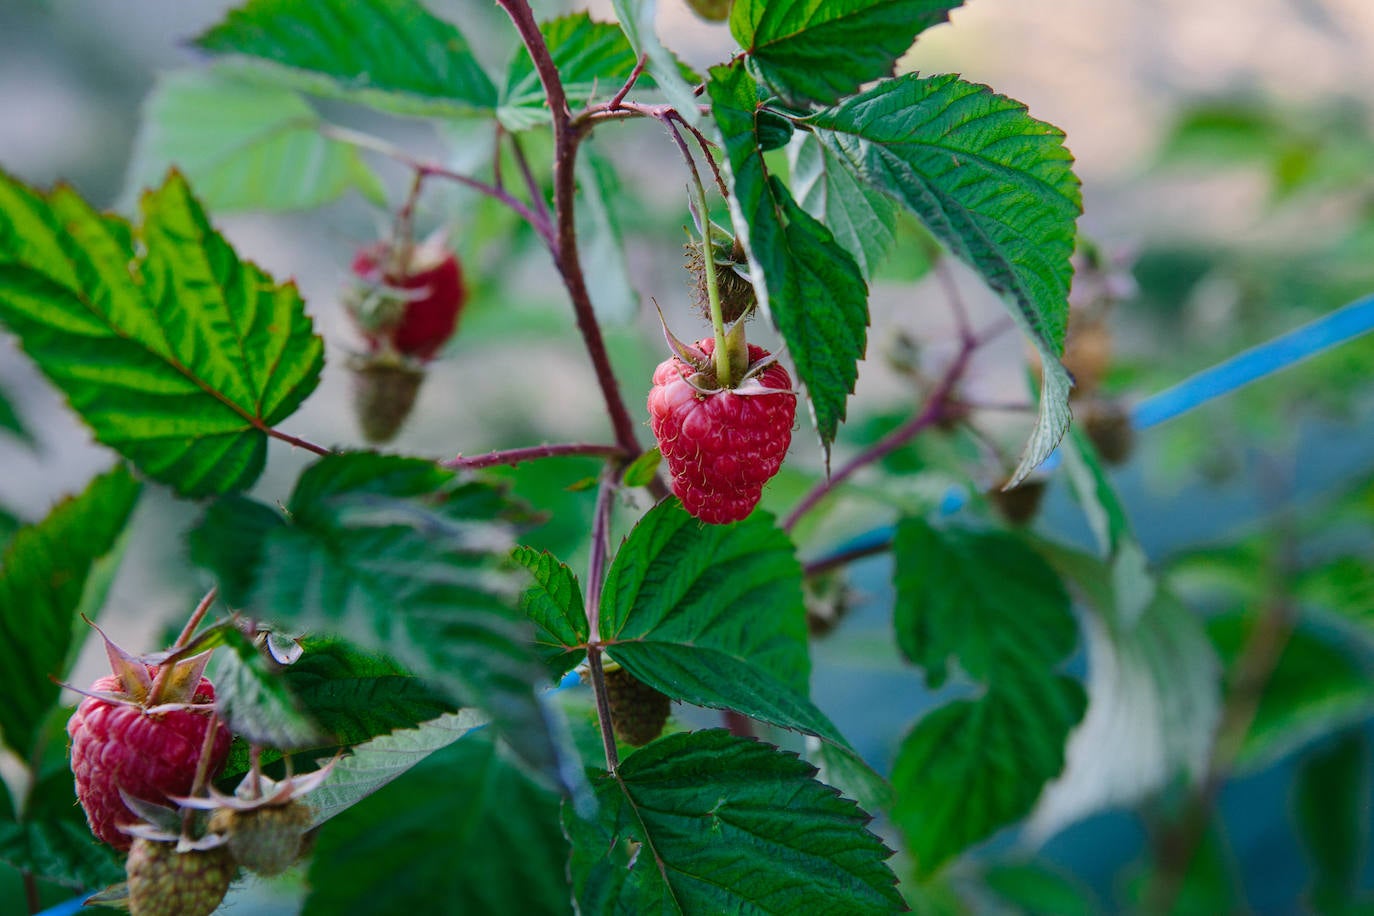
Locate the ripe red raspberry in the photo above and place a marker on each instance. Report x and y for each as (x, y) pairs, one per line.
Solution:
(414, 306)
(722, 447)
(118, 743)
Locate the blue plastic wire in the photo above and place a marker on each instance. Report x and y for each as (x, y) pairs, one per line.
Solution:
(1344, 324)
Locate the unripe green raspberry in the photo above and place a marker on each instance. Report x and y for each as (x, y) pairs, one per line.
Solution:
(638, 711)
(164, 882)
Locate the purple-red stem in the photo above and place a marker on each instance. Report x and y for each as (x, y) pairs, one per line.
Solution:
(516, 456)
(297, 441)
(596, 575)
(619, 97)
(933, 411)
(845, 557)
(565, 141)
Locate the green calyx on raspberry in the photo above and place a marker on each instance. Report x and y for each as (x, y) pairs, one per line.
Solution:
(638, 711)
(737, 296)
(140, 733)
(265, 825)
(165, 880)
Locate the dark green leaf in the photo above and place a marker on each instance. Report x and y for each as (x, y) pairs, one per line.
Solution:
(593, 59)
(555, 606)
(179, 360)
(722, 824)
(373, 764)
(9, 524)
(1038, 890)
(398, 555)
(245, 146)
(254, 700)
(1317, 688)
(1331, 804)
(491, 842)
(809, 51)
(637, 18)
(53, 841)
(810, 286)
(973, 766)
(713, 615)
(9, 420)
(392, 54)
(982, 598)
(861, 218)
(994, 185)
(774, 130)
(234, 559)
(356, 696)
(49, 573)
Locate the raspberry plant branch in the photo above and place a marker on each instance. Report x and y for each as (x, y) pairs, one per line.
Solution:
(932, 413)
(845, 557)
(624, 90)
(202, 774)
(527, 175)
(297, 441)
(566, 139)
(516, 456)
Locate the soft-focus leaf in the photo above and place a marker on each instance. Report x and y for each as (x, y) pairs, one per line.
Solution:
(819, 52)
(600, 239)
(637, 19)
(1331, 805)
(400, 556)
(373, 764)
(982, 598)
(861, 218)
(1038, 890)
(809, 285)
(554, 604)
(994, 185)
(53, 841)
(179, 356)
(48, 574)
(254, 700)
(391, 54)
(491, 842)
(1317, 688)
(973, 766)
(779, 842)
(244, 145)
(1154, 696)
(593, 59)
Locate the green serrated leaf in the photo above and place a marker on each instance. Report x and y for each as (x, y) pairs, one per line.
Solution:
(356, 696)
(637, 19)
(179, 359)
(722, 824)
(400, 556)
(253, 699)
(47, 573)
(374, 764)
(492, 842)
(53, 842)
(245, 146)
(1330, 801)
(713, 615)
(818, 52)
(593, 58)
(555, 606)
(810, 286)
(390, 54)
(994, 185)
(862, 219)
(973, 766)
(982, 598)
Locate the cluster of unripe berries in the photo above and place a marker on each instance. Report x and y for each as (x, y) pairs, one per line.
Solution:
(142, 740)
